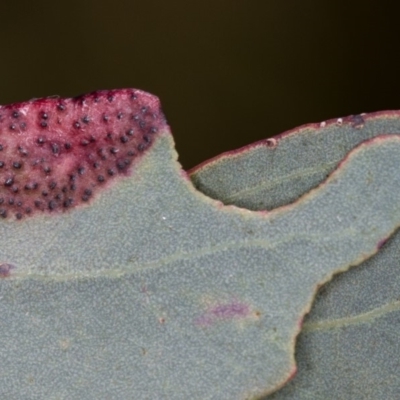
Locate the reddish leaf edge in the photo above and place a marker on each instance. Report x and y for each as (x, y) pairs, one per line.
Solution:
(356, 121)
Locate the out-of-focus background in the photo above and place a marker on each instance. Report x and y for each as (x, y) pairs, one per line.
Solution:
(228, 72)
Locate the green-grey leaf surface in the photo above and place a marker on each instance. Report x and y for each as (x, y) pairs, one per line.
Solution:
(156, 291)
(349, 344)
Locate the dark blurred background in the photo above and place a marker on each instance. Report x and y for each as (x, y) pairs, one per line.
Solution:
(228, 72)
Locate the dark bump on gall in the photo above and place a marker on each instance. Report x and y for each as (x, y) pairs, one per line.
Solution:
(76, 125)
(18, 215)
(43, 124)
(110, 172)
(100, 178)
(1, 200)
(41, 140)
(142, 124)
(81, 170)
(143, 110)
(130, 132)
(22, 125)
(45, 193)
(22, 151)
(10, 201)
(141, 147)
(1, 164)
(123, 139)
(130, 153)
(120, 115)
(110, 98)
(12, 127)
(3, 213)
(28, 210)
(113, 150)
(67, 203)
(44, 115)
(38, 203)
(8, 181)
(52, 185)
(19, 204)
(122, 164)
(15, 114)
(85, 119)
(17, 164)
(85, 142)
(105, 118)
(55, 148)
(67, 145)
(96, 165)
(47, 170)
(153, 130)
(73, 187)
(52, 204)
(1, 147)
(147, 138)
(60, 106)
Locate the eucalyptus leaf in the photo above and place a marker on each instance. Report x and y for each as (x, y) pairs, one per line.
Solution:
(349, 344)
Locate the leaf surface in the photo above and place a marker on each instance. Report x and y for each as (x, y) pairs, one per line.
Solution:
(349, 344)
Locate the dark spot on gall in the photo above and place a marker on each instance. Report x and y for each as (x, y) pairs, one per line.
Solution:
(55, 148)
(17, 164)
(15, 114)
(28, 210)
(43, 124)
(122, 164)
(3, 213)
(110, 98)
(85, 142)
(130, 132)
(120, 115)
(31, 186)
(142, 124)
(147, 138)
(12, 127)
(100, 178)
(106, 118)
(52, 185)
(110, 172)
(52, 204)
(60, 107)
(1, 147)
(153, 130)
(77, 125)
(1, 164)
(81, 170)
(67, 145)
(44, 115)
(67, 203)
(41, 140)
(47, 170)
(18, 215)
(113, 150)
(9, 181)
(123, 139)
(85, 119)
(45, 193)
